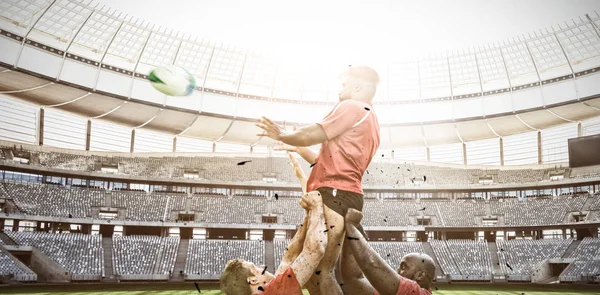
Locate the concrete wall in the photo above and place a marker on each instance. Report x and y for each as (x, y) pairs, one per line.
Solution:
(46, 269)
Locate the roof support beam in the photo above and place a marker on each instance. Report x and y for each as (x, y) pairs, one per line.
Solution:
(29, 32)
(64, 57)
(68, 102)
(105, 52)
(237, 94)
(537, 71)
(25, 90)
(560, 117)
(524, 123)
(510, 86)
(492, 129)
(149, 120)
(109, 112)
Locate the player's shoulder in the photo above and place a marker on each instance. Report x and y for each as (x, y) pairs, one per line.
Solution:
(353, 106)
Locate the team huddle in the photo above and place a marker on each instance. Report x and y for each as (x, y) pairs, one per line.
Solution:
(331, 240)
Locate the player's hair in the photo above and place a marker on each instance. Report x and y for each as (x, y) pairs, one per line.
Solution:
(234, 278)
(363, 72)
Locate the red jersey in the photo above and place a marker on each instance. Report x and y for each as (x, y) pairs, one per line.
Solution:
(353, 138)
(409, 287)
(284, 284)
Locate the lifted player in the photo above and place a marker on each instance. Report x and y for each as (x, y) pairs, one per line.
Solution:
(299, 261)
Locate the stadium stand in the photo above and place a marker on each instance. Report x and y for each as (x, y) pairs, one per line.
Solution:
(225, 169)
(289, 208)
(586, 264)
(38, 199)
(471, 257)
(395, 212)
(13, 270)
(208, 257)
(144, 255)
(464, 259)
(444, 257)
(222, 209)
(460, 212)
(518, 257)
(537, 211)
(79, 254)
(141, 206)
(392, 252)
(50, 200)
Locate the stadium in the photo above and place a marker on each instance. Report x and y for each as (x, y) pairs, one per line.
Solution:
(489, 160)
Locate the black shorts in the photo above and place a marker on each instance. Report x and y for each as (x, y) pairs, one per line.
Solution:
(342, 201)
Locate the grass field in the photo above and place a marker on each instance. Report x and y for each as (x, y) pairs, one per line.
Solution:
(189, 288)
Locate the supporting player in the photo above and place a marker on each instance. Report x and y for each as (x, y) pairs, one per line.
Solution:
(349, 138)
(413, 277)
(299, 261)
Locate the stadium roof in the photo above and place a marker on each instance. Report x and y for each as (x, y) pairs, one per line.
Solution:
(522, 84)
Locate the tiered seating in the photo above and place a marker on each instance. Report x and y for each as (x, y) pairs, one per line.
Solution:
(580, 268)
(523, 255)
(585, 172)
(167, 256)
(520, 176)
(221, 209)
(538, 211)
(291, 210)
(280, 245)
(381, 172)
(39, 199)
(460, 213)
(10, 268)
(392, 252)
(143, 255)
(65, 161)
(3, 193)
(283, 170)
(587, 261)
(208, 257)
(387, 174)
(449, 177)
(77, 253)
(176, 201)
(141, 206)
(471, 257)
(393, 212)
(444, 257)
(595, 205)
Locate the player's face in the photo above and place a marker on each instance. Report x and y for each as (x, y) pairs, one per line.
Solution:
(407, 269)
(257, 270)
(346, 91)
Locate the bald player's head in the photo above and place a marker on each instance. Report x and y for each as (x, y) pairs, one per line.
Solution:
(359, 83)
(418, 267)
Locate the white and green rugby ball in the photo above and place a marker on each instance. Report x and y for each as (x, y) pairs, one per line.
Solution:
(172, 80)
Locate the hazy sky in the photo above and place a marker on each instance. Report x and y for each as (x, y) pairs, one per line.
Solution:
(357, 29)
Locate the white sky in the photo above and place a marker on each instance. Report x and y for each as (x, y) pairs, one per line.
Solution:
(356, 30)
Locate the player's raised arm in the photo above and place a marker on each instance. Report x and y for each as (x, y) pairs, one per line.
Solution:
(383, 278)
(295, 246)
(305, 264)
(298, 171)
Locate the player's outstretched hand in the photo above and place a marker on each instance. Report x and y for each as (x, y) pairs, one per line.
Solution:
(311, 200)
(297, 168)
(353, 216)
(269, 128)
(280, 146)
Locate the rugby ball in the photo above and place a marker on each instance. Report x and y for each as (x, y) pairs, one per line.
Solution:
(172, 80)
